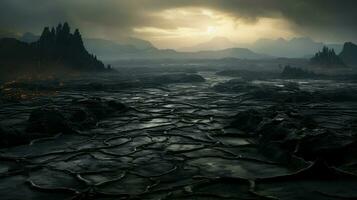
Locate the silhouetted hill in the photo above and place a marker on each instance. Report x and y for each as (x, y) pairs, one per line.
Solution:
(134, 48)
(66, 48)
(137, 43)
(300, 47)
(215, 44)
(94, 45)
(239, 53)
(57, 49)
(327, 58)
(140, 49)
(110, 50)
(349, 53)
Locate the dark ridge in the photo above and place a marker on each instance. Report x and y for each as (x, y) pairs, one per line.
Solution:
(327, 57)
(349, 53)
(57, 50)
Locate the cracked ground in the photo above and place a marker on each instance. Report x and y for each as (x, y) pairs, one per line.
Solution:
(173, 143)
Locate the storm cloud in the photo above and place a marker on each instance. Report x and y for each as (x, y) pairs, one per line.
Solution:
(328, 20)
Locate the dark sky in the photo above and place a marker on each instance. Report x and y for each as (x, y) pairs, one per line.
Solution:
(322, 20)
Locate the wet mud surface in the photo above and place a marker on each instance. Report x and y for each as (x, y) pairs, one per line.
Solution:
(177, 142)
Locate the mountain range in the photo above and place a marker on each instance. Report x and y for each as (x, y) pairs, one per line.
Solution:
(134, 48)
(216, 48)
(216, 43)
(299, 47)
(140, 49)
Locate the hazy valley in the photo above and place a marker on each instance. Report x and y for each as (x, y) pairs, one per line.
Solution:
(178, 100)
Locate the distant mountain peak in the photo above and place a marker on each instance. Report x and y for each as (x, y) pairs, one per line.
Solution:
(216, 43)
(138, 43)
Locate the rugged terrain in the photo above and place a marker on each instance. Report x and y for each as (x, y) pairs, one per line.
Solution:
(181, 138)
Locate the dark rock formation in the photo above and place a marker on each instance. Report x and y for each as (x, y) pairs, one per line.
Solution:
(50, 120)
(100, 108)
(349, 53)
(327, 58)
(247, 120)
(282, 130)
(57, 49)
(80, 115)
(60, 44)
(297, 73)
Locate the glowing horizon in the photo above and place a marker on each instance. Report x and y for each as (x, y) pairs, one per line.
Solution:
(197, 25)
(183, 23)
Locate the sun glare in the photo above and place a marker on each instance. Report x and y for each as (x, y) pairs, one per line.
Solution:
(211, 30)
(187, 26)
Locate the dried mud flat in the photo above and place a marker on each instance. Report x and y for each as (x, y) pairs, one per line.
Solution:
(182, 141)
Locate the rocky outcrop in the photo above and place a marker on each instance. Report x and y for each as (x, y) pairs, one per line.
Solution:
(48, 121)
(327, 58)
(80, 115)
(51, 120)
(57, 50)
(285, 131)
(349, 53)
